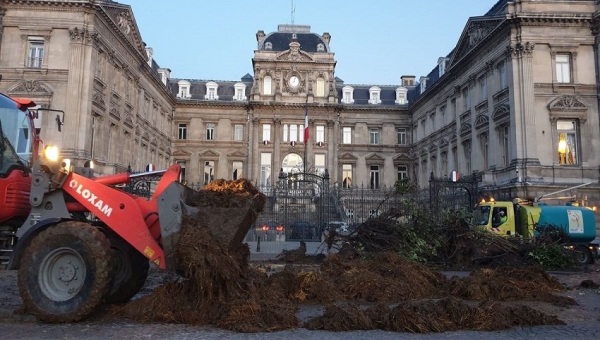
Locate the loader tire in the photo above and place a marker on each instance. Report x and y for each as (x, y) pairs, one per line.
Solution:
(64, 273)
(130, 270)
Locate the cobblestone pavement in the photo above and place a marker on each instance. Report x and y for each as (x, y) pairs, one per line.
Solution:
(583, 321)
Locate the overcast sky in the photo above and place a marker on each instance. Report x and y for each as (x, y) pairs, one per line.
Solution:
(375, 42)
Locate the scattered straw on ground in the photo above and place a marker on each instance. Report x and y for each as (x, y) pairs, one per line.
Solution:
(220, 289)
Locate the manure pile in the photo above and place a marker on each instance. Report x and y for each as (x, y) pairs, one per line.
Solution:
(221, 289)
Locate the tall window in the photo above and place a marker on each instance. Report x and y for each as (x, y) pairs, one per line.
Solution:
(237, 170)
(484, 150)
(563, 68)
(266, 132)
(347, 135)
(182, 173)
(374, 136)
(374, 176)
(36, 52)
(467, 151)
(293, 133)
(320, 164)
(210, 131)
(265, 168)
(301, 134)
(182, 132)
(504, 142)
(483, 88)
(502, 71)
(267, 86)
(402, 136)
(320, 133)
(320, 87)
(238, 132)
(402, 172)
(567, 142)
(466, 98)
(209, 171)
(347, 175)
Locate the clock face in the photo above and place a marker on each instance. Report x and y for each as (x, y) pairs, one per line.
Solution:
(294, 81)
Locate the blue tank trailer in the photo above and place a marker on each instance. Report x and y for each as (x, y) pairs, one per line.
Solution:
(528, 219)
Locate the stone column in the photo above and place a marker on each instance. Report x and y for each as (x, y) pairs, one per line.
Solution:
(526, 126)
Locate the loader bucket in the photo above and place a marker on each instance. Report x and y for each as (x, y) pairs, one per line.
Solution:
(178, 204)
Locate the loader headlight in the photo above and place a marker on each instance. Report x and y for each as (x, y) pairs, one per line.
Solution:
(51, 153)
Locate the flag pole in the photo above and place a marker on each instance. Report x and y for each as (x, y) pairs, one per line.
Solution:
(306, 133)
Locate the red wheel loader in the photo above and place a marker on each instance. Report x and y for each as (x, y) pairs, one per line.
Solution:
(79, 241)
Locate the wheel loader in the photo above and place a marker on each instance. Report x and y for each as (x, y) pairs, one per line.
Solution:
(78, 241)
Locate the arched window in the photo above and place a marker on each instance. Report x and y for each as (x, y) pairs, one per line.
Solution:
(267, 86)
(320, 87)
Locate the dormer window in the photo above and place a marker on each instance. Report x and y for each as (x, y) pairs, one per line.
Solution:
(268, 46)
(442, 66)
(401, 95)
(348, 95)
(211, 91)
(423, 84)
(240, 91)
(320, 47)
(184, 89)
(374, 95)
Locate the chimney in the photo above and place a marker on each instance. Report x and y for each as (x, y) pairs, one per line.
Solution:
(408, 81)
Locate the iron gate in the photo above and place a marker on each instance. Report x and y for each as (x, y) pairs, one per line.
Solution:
(298, 208)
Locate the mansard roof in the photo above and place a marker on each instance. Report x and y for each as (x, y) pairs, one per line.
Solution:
(225, 89)
(280, 40)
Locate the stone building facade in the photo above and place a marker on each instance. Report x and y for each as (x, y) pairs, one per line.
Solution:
(254, 128)
(87, 58)
(515, 102)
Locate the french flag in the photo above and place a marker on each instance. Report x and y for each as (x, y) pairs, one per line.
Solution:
(306, 134)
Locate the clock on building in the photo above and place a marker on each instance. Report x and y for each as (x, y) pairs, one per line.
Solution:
(294, 81)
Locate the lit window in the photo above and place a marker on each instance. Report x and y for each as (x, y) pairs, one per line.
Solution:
(320, 87)
(182, 131)
(374, 136)
(267, 86)
(347, 135)
(36, 52)
(402, 136)
(347, 175)
(567, 142)
(210, 131)
(320, 133)
(563, 68)
(238, 133)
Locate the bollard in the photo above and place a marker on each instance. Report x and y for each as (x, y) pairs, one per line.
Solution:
(258, 245)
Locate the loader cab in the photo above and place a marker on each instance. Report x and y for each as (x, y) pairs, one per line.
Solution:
(16, 135)
(497, 217)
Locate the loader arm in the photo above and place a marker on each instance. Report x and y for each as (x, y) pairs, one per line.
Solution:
(119, 211)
